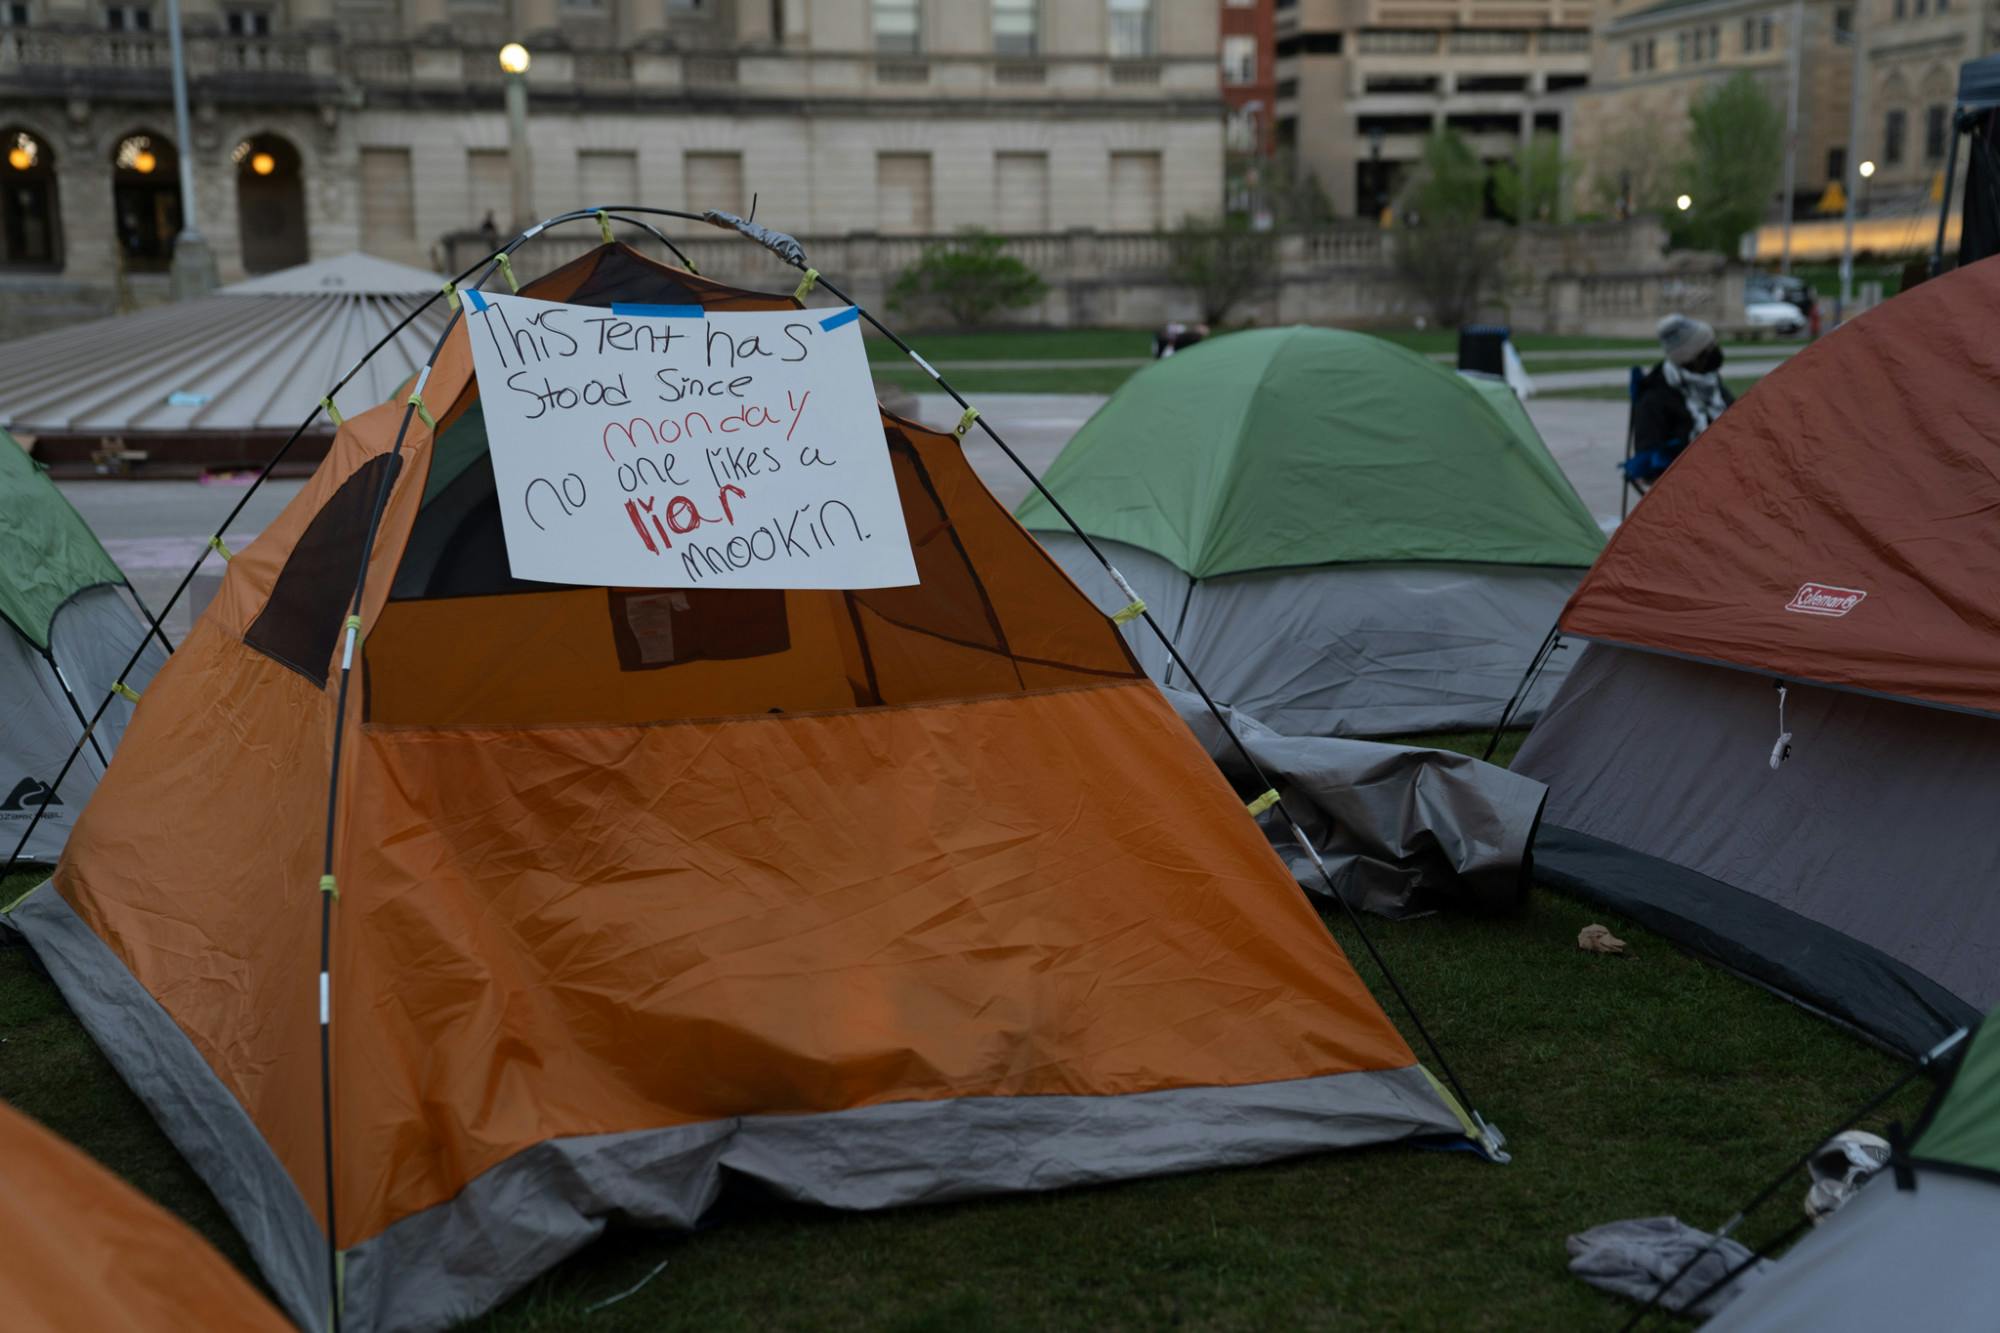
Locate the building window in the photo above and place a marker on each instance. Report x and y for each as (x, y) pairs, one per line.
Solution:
(29, 231)
(1487, 41)
(128, 18)
(146, 199)
(714, 180)
(1397, 42)
(1562, 83)
(489, 179)
(903, 192)
(1843, 23)
(1021, 192)
(1239, 131)
(1131, 28)
(1239, 59)
(1016, 27)
(1135, 192)
(1312, 44)
(388, 203)
(1936, 122)
(247, 22)
(1893, 126)
(1899, 10)
(14, 14)
(1757, 34)
(1836, 164)
(899, 26)
(1565, 39)
(1921, 7)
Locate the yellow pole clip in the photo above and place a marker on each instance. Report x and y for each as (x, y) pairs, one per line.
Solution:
(1132, 612)
(353, 623)
(124, 691)
(328, 885)
(417, 401)
(220, 547)
(1262, 803)
(507, 267)
(965, 421)
(333, 412)
(604, 225)
(450, 290)
(806, 284)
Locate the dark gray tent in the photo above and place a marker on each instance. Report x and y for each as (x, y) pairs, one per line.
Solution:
(1780, 746)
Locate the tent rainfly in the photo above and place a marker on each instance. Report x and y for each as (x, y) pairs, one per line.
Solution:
(68, 625)
(86, 1252)
(879, 897)
(1343, 537)
(223, 379)
(1779, 746)
(1916, 1237)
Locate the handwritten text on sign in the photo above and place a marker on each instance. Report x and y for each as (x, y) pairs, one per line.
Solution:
(666, 447)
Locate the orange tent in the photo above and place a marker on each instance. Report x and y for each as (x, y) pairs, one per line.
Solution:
(86, 1252)
(883, 896)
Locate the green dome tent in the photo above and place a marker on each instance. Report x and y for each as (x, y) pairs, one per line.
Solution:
(1344, 537)
(65, 632)
(1914, 1252)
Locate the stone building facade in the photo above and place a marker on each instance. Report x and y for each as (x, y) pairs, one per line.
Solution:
(1652, 60)
(1362, 83)
(323, 126)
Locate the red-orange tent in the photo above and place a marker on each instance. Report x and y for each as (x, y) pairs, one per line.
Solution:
(879, 897)
(1833, 536)
(85, 1252)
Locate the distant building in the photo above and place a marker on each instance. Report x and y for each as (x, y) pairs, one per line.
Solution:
(1250, 91)
(1362, 83)
(321, 126)
(1914, 50)
(1651, 61)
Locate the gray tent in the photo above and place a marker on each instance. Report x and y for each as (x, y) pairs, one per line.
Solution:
(1779, 746)
(1914, 1247)
(68, 625)
(1343, 538)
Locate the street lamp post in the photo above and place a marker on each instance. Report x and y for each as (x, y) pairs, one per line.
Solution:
(1798, 36)
(514, 62)
(192, 272)
(1854, 176)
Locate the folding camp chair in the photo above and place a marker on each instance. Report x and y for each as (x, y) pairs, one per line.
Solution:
(1657, 460)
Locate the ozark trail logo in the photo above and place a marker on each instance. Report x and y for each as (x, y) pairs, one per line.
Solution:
(28, 794)
(1823, 599)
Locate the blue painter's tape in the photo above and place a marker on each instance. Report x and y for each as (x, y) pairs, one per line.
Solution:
(474, 299)
(657, 311)
(847, 316)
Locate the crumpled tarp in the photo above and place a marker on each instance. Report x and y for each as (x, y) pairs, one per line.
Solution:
(1403, 830)
(1632, 1258)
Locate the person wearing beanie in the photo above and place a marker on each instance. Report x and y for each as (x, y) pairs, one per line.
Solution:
(1678, 399)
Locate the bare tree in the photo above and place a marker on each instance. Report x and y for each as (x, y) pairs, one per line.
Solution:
(1223, 264)
(1444, 246)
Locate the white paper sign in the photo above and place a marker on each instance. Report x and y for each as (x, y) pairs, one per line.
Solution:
(666, 447)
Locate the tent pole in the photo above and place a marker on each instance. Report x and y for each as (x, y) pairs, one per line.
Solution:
(1950, 179)
(1535, 665)
(1489, 1139)
(1923, 1062)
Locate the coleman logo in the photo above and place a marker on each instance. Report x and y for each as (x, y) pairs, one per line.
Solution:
(1823, 599)
(29, 794)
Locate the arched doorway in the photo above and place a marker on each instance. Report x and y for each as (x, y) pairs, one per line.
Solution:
(270, 203)
(146, 199)
(30, 230)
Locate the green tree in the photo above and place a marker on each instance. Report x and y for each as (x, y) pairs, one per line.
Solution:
(1221, 263)
(1445, 249)
(1533, 187)
(1735, 153)
(970, 278)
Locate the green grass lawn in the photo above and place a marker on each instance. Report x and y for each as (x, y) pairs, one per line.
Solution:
(1056, 379)
(1017, 345)
(1627, 1087)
